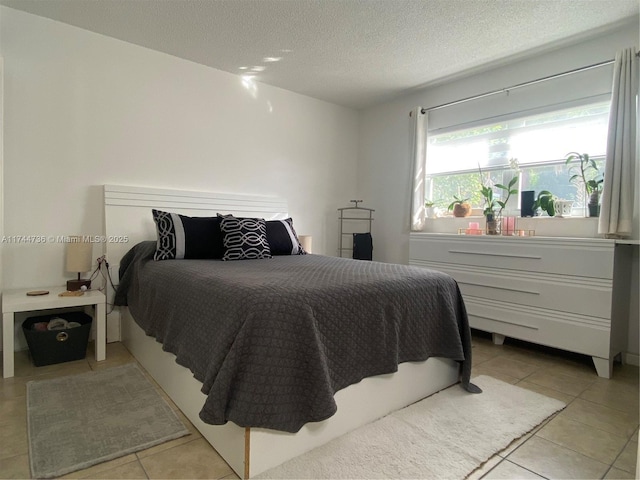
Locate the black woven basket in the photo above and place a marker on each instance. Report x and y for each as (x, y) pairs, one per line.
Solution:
(57, 346)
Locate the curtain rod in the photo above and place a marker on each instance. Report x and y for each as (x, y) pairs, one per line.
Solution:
(519, 85)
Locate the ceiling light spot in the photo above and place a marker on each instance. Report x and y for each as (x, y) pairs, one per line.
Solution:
(258, 68)
(243, 68)
(248, 82)
(271, 59)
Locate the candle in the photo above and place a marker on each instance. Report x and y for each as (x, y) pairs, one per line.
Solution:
(474, 225)
(508, 225)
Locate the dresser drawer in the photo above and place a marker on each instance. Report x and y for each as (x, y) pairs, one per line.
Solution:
(580, 334)
(575, 257)
(579, 295)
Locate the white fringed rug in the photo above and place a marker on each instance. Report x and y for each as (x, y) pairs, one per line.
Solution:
(445, 436)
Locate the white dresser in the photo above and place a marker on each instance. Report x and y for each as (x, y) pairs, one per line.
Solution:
(552, 291)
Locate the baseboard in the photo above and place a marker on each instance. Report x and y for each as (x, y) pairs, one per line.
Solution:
(632, 359)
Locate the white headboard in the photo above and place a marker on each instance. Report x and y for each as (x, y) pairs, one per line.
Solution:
(127, 212)
(127, 216)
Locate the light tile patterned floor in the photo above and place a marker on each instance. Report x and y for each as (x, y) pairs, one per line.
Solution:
(596, 436)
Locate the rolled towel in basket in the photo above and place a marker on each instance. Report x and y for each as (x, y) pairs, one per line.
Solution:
(57, 323)
(40, 326)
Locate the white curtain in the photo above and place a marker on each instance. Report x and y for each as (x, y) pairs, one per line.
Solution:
(418, 162)
(616, 213)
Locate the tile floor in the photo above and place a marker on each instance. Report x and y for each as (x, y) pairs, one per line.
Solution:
(595, 436)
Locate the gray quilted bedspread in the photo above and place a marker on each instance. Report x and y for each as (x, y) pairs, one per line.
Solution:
(272, 340)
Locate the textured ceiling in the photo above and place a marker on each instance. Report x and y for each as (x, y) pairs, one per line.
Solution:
(350, 52)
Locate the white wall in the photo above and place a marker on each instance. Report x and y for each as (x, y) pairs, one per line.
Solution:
(634, 309)
(384, 166)
(1, 160)
(82, 110)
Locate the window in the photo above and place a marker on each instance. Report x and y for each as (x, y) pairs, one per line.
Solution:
(539, 143)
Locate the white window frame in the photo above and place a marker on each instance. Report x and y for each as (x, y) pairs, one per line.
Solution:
(600, 120)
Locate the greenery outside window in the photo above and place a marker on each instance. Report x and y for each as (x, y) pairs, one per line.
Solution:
(539, 143)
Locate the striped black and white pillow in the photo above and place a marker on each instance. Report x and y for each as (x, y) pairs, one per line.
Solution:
(244, 238)
(282, 238)
(181, 237)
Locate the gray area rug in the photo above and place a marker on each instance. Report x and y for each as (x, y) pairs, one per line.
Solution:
(81, 420)
(447, 435)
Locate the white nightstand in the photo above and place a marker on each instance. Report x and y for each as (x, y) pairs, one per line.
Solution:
(14, 301)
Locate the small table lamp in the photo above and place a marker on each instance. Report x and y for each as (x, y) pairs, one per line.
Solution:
(79, 261)
(305, 241)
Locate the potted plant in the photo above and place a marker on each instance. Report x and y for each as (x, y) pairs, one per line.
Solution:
(491, 212)
(491, 204)
(586, 174)
(460, 207)
(545, 202)
(594, 197)
(430, 209)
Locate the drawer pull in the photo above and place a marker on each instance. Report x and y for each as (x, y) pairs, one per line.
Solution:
(504, 321)
(512, 255)
(531, 292)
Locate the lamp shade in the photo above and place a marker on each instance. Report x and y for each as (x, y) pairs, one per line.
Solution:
(305, 241)
(78, 255)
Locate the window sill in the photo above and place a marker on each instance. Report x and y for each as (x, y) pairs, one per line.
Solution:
(541, 217)
(577, 227)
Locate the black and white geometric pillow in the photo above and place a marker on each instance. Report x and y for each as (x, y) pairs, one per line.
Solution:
(282, 238)
(244, 238)
(181, 237)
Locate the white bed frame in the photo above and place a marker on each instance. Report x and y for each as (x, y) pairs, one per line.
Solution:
(249, 452)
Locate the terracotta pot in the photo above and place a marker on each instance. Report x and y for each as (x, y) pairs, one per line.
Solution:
(461, 210)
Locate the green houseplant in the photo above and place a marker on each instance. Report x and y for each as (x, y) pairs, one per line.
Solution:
(585, 173)
(545, 202)
(491, 212)
(460, 207)
(430, 208)
(595, 187)
(491, 204)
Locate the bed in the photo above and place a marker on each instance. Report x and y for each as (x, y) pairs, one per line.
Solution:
(292, 350)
